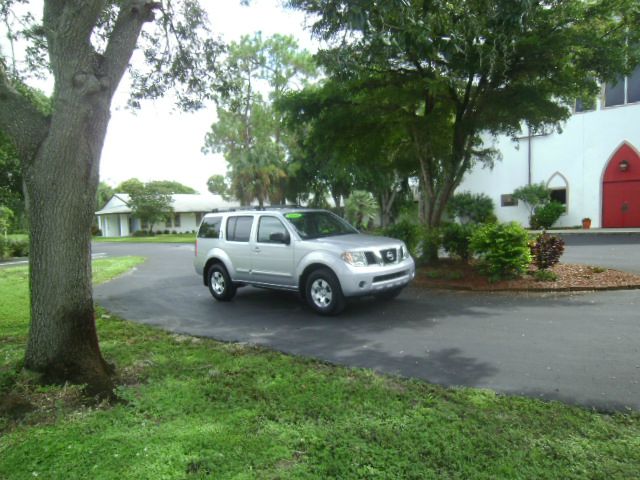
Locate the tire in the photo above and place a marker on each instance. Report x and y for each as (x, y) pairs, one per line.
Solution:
(389, 294)
(323, 292)
(220, 284)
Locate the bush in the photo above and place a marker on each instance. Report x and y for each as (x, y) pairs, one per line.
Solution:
(13, 247)
(406, 231)
(4, 248)
(431, 243)
(544, 216)
(503, 250)
(471, 208)
(140, 233)
(456, 238)
(95, 231)
(546, 250)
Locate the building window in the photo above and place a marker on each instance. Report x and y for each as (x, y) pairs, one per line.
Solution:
(507, 200)
(623, 90)
(559, 195)
(176, 220)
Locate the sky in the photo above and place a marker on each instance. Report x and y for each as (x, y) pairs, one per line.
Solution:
(158, 144)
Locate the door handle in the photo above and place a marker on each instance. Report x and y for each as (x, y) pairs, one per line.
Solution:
(256, 249)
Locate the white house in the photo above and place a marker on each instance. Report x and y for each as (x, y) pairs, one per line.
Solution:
(593, 166)
(115, 219)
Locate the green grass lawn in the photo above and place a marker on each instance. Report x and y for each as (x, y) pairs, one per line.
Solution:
(168, 238)
(196, 408)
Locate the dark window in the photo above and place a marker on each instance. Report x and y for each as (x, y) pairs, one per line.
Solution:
(559, 195)
(633, 86)
(239, 229)
(271, 230)
(614, 93)
(176, 220)
(507, 200)
(198, 218)
(210, 228)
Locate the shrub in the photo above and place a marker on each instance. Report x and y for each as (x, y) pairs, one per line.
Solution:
(544, 276)
(469, 207)
(95, 231)
(140, 233)
(406, 231)
(361, 208)
(456, 238)
(546, 250)
(19, 248)
(503, 250)
(431, 243)
(4, 248)
(533, 195)
(546, 215)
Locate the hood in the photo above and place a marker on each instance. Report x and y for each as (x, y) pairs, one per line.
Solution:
(357, 241)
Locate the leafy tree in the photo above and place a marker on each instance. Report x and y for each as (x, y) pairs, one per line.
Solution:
(86, 47)
(169, 187)
(217, 184)
(249, 130)
(103, 195)
(471, 208)
(361, 208)
(6, 215)
(130, 186)
(446, 72)
(533, 196)
(150, 206)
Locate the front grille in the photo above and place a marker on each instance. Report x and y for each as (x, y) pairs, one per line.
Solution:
(371, 258)
(389, 256)
(390, 276)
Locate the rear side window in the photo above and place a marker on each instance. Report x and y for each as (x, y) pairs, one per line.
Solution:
(239, 229)
(210, 228)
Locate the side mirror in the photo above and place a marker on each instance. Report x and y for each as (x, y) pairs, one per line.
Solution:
(280, 237)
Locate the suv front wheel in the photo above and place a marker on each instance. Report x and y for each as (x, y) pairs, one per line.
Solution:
(323, 292)
(220, 284)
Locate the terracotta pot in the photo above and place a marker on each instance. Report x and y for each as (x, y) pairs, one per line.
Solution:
(586, 223)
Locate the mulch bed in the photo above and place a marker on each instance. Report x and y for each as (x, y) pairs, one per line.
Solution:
(450, 274)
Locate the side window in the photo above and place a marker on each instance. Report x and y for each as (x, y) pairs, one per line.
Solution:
(271, 230)
(210, 228)
(239, 229)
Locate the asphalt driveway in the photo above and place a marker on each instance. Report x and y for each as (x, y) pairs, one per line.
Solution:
(579, 348)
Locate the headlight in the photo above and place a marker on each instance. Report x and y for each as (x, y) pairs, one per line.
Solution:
(357, 259)
(404, 252)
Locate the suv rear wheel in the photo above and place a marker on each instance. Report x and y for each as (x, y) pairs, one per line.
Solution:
(220, 284)
(323, 292)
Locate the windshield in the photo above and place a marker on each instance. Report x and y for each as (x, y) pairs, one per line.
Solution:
(316, 224)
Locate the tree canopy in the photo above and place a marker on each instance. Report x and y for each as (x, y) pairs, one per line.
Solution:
(448, 74)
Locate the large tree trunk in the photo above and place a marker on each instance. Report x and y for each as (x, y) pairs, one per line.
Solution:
(61, 188)
(60, 158)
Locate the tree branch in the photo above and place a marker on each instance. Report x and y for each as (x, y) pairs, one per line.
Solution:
(124, 37)
(20, 120)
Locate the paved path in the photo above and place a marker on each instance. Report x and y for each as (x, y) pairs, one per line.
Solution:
(578, 348)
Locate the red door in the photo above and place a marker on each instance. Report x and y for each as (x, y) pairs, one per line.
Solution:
(621, 190)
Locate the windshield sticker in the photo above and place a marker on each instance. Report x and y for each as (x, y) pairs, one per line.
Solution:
(293, 215)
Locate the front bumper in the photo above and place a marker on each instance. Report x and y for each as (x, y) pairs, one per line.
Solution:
(372, 279)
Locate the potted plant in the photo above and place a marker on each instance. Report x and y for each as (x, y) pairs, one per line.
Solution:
(586, 223)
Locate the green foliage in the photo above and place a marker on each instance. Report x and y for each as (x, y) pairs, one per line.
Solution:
(361, 208)
(544, 276)
(546, 250)
(456, 239)
(133, 186)
(407, 231)
(546, 215)
(130, 186)
(502, 249)
(6, 216)
(431, 243)
(249, 130)
(13, 247)
(533, 196)
(217, 184)
(471, 207)
(149, 206)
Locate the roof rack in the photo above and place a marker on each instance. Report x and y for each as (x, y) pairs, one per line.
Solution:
(256, 208)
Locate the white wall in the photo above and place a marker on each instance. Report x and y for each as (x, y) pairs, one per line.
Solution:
(580, 153)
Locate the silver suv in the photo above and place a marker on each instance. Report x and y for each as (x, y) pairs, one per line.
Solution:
(313, 252)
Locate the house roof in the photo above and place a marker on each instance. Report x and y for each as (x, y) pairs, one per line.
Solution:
(181, 203)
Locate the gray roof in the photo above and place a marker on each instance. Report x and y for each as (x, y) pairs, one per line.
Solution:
(181, 203)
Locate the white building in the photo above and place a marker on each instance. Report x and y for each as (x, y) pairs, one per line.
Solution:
(115, 218)
(593, 166)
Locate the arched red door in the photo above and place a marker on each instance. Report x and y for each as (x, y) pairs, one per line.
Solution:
(621, 190)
